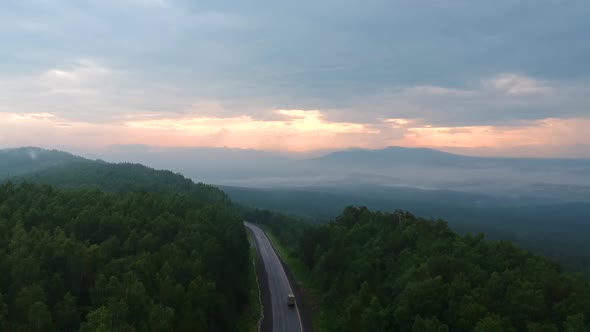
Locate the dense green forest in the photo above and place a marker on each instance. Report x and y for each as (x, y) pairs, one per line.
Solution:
(288, 229)
(122, 178)
(84, 259)
(555, 230)
(98, 247)
(378, 271)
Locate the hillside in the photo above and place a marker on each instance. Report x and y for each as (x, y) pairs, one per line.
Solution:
(375, 271)
(180, 249)
(119, 246)
(123, 177)
(556, 230)
(19, 161)
(563, 180)
(82, 258)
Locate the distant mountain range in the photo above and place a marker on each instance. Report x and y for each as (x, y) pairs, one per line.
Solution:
(555, 179)
(529, 201)
(392, 156)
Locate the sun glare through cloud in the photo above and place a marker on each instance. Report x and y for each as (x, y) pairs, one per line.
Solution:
(187, 74)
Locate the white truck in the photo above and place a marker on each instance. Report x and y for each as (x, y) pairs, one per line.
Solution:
(291, 300)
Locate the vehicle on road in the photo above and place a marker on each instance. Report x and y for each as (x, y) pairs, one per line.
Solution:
(291, 300)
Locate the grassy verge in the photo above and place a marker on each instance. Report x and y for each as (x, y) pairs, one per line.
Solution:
(303, 277)
(249, 320)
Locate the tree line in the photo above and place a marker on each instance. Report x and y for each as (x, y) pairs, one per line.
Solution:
(378, 271)
(83, 259)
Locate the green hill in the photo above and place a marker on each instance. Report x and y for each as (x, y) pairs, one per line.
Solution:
(94, 246)
(23, 160)
(122, 178)
(557, 230)
(375, 271)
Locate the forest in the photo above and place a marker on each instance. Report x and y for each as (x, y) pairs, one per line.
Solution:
(94, 246)
(122, 178)
(83, 259)
(375, 271)
(553, 229)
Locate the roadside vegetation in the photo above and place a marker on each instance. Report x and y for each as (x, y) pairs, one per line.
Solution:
(374, 271)
(253, 311)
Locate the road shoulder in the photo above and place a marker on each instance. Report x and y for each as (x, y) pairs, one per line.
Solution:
(266, 323)
(303, 306)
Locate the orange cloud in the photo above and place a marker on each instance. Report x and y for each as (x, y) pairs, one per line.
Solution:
(300, 130)
(548, 131)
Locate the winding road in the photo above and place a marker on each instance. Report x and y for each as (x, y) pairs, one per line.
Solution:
(284, 318)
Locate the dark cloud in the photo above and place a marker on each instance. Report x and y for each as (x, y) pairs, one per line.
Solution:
(342, 57)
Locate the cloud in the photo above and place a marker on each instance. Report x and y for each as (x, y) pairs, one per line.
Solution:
(30, 26)
(85, 90)
(494, 112)
(466, 66)
(506, 99)
(85, 77)
(26, 116)
(150, 3)
(302, 130)
(298, 121)
(515, 84)
(545, 132)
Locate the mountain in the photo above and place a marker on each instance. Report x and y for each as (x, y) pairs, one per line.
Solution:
(559, 179)
(122, 178)
(162, 234)
(389, 157)
(554, 229)
(562, 180)
(19, 161)
(211, 165)
(377, 271)
(395, 156)
(143, 260)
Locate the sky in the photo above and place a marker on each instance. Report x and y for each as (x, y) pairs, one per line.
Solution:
(503, 77)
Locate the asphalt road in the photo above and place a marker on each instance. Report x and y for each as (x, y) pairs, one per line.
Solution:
(284, 318)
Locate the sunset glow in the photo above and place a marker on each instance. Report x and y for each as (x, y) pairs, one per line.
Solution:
(300, 130)
(187, 74)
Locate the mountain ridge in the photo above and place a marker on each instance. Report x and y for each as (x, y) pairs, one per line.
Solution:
(392, 166)
(22, 160)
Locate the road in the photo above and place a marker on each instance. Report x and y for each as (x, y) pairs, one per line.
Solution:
(284, 318)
